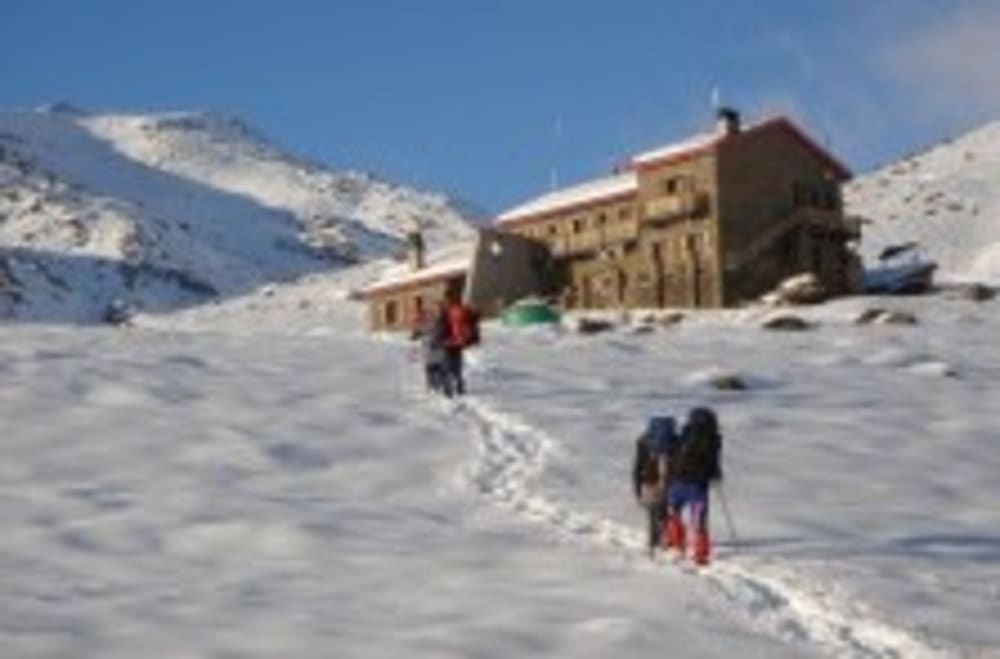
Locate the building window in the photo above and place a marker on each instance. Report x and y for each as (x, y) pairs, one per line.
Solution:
(601, 219)
(798, 194)
(624, 213)
(832, 202)
(391, 312)
(553, 229)
(670, 186)
(578, 225)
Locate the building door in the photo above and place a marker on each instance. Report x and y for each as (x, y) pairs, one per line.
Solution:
(586, 294)
(659, 279)
(622, 292)
(694, 278)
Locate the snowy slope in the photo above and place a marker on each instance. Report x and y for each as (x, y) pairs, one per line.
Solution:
(947, 199)
(294, 493)
(170, 210)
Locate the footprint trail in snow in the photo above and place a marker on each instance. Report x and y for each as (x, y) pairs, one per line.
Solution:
(767, 596)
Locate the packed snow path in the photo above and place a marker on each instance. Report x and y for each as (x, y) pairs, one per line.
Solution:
(793, 607)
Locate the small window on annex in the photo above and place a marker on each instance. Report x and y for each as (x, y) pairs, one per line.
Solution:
(391, 312)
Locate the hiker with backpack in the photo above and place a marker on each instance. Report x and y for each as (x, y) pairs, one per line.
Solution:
(693, 465)
(463, 332)
(650, 474)
(432, 332)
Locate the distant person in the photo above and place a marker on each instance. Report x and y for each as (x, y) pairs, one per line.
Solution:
(463, 332)
(650, 475)
(433, 331)
(693, 465)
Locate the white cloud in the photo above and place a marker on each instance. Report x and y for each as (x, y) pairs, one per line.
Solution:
(951, 66)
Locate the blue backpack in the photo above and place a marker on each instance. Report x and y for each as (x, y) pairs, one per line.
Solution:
(663, 436)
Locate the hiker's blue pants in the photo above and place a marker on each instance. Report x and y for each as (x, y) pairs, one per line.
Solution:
(693, 497)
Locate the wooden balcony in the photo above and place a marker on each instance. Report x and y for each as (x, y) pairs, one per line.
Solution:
(595, 239)
(846, 226)
(670, 208)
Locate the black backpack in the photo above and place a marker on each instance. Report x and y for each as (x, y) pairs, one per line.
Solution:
(696, 457)
(647, 469)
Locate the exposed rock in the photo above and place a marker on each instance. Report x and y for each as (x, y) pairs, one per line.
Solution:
(642, 328)
(119, 313)
(593, 325)
(728, 383)
(868, 316)
(800, 289)
(786, 322)
(977, 292)
(878, 316)
(671, 318)
(897, 318)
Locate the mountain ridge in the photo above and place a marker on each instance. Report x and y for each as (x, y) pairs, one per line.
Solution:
(170, 209)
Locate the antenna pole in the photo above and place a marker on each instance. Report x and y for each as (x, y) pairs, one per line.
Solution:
(557, 138)
(716, 98)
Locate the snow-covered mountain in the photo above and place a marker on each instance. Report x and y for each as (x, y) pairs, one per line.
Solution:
(946, 199)
(167, 210)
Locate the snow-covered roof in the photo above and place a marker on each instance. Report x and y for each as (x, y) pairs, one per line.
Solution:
(627, 182)
(684, 147)
(589, 191)
(452, 260)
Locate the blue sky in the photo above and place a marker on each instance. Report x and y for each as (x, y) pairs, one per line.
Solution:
(488, 100)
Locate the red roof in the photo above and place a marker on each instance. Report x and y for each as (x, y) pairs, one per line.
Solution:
(700, 145)
(693, 147)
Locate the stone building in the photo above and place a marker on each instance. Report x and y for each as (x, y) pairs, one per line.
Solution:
(489, 272)
(712, 221)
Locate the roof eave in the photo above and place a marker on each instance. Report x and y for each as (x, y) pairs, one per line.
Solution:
(519, 220)
(417, 281)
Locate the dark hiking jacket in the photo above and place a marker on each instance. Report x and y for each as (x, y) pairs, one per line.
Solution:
(697, 457)
(433, 335)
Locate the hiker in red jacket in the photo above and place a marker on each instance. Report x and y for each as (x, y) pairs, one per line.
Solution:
(463, 332)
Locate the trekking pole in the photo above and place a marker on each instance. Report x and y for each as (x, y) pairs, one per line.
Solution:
(729, 518)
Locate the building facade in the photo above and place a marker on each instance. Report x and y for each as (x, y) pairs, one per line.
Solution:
(492, 271)
(713, 221)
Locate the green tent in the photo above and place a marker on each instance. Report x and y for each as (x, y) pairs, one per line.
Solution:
(530, 312)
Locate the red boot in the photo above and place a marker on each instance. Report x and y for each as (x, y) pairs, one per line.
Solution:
(674, 537)
(702, 547)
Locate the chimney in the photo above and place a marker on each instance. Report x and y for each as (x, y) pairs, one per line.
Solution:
(415, 250)
(727, 122)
